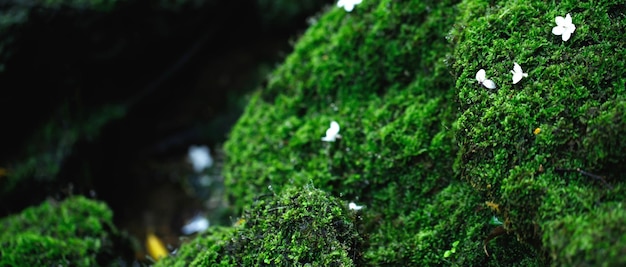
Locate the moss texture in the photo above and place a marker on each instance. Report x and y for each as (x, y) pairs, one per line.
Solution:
(433, 155)
(299, 227)
(575, 95)
(75, 232)
(424, 145)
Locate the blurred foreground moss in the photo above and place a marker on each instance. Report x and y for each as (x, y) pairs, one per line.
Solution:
(299, 227)
(74, 232)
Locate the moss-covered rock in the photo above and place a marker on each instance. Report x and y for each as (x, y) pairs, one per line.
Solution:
(539, 147)
(299, 227)
(74, 232)
(433, 155)
(399, 77)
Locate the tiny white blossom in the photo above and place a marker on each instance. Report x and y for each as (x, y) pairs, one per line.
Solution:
(353, 206)
(332, 133)
(200, 157)
(348, 5)
(518, 73)
(481, 78)
(197, 224)
(564, 27)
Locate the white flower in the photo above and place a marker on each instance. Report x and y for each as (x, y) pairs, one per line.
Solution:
(332, 133)
(200, 158)
(518, 73)
(564, 27)
(481, 78)
(197, 224)
(348, 5)
(353, 206)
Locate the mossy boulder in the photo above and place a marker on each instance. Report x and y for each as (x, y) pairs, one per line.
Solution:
(547, 149)
(419, 130)
(299, 227)
(447, 170)
(74, 232)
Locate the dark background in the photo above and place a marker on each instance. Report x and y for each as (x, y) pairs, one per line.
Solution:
(178, 72)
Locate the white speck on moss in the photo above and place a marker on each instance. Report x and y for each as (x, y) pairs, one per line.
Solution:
(481, 77)
(518, 73)
(348, 5)
(354, 206)
(564, 27)
(332, 133)
(197, 224)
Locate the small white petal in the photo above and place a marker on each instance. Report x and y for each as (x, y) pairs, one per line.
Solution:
(517, 76)
(558, 30)
(348, 5)
(568, 19)
(332, 133)
(489, 84)
(354, 206)
(200, 158)
(518, 73)
(334, 128)
(196, 224)
(517, 67)
(328, 139)
(481, 76)
(566, 35)
(559, 20)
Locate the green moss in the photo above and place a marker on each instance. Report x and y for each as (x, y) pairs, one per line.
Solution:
(424, 146)
(387, 88)
(205, 249)
(299, 227)
(381, 72)
(594, 238)
(574, 93)
(73, 232)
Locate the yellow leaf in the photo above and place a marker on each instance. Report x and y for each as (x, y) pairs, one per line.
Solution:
(155, 246)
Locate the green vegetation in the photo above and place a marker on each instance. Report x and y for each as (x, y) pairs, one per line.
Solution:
(432, 154)
(300, 227)
(74, 232)
(575, 94)
(399, 79)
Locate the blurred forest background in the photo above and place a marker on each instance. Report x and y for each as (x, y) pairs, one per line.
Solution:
(103, 98)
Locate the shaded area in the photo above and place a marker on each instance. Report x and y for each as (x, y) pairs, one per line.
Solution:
(176, 76)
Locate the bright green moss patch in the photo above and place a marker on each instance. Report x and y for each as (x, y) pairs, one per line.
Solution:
(574, 93)
(299, 227)
(431, 153)
(73, 232)
(206, 249)
(380, 72)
